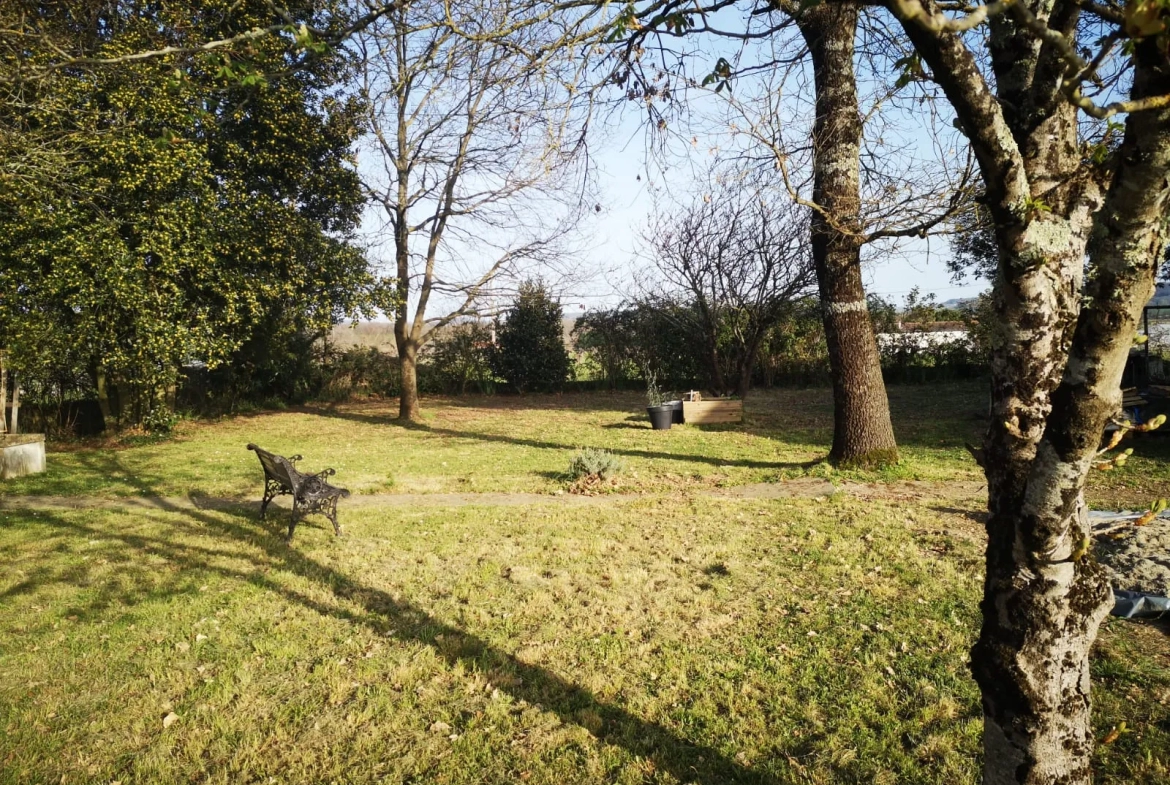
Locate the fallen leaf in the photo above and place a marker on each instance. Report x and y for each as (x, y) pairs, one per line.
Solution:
(170, 719)
(440, 727)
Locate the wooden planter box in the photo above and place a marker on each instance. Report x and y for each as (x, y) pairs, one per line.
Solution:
(710, 412)
(21, 454)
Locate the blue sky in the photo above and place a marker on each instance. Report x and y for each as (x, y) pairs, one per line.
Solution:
(628, 203)
(628, 180)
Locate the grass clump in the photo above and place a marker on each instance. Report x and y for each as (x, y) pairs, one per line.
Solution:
(594, 464)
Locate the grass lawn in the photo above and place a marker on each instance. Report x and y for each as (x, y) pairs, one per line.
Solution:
(670, 637)
(514, 444)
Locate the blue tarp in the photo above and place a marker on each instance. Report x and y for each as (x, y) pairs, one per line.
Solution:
(1137, 605)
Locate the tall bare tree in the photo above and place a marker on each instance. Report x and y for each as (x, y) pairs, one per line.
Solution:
(1058, 186)
(477, 131)
(739, 259)
(838, 163)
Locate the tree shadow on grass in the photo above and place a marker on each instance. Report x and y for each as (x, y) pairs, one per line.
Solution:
(973, 515)
(543, 445)
(360, 604)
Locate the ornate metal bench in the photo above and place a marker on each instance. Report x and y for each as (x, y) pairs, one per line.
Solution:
(310, 492)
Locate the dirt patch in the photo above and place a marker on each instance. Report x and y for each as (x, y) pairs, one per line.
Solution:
(812, 487)
(1140, 561)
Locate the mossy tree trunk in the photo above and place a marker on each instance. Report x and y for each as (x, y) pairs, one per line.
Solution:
(3, 393)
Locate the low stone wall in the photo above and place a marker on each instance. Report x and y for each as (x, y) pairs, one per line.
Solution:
(21, 454)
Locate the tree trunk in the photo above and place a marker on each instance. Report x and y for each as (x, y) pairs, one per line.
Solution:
(3, 395)
(862, 432)
(14, 427)
(718, 383)
(1045, 595)
(744, 382)
(103, 396)
(408, 396)
(747, 365)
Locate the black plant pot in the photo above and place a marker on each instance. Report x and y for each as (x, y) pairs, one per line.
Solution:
(676, 407)
(660, 416)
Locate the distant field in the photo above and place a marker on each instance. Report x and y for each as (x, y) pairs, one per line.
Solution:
(378, 335)
(662, 632)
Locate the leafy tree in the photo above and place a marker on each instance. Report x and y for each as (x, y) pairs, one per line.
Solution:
(609, 339)
(973, 245)
(207, 198)
(654, 334)
(795, 346)
(530, 352)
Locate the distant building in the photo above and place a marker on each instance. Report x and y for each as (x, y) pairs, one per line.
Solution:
(924, 335)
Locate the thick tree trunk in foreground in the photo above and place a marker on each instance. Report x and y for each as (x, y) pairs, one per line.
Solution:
(1045, 595)
(1056, 367)
(862, 432)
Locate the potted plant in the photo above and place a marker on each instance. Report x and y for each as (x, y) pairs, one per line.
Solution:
(661, 413)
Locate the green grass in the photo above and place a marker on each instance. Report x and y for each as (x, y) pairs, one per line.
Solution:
(673, 638)
(648, 641)
(513, 444)
(524, 444)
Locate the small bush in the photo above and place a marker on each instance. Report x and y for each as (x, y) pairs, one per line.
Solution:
(591, 462)
(160, 420)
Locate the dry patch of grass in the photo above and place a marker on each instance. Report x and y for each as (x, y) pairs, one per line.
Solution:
(665, 641)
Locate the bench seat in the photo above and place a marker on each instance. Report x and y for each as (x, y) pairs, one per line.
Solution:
(310, 492)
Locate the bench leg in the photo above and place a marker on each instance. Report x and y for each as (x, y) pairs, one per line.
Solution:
(271, 489)
(292, 522)
(331, 514)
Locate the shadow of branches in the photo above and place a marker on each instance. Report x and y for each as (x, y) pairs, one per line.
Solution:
(353, 602)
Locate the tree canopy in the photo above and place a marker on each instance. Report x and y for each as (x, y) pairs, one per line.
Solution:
(530, 352)
(162, 211)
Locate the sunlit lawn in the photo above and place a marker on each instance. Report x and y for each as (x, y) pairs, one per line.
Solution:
(669, 638)
(516, 444)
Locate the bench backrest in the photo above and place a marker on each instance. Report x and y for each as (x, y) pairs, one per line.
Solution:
(278, 468)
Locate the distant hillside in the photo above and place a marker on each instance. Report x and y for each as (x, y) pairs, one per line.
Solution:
(380, 335)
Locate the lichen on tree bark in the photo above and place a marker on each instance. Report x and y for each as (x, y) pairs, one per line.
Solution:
(1056, 367)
